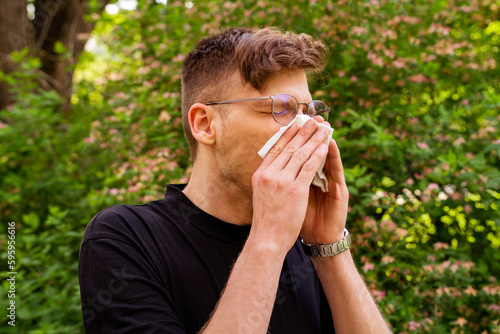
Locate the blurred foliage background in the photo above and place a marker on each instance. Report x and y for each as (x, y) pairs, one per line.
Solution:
(414, 88)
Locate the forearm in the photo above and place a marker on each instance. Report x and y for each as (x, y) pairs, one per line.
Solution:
(248, 298)
(353, 308)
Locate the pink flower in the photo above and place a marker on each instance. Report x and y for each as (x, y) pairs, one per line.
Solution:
(164, 116)
(459, 141)
(472, 66)
(179, 58)
(470, 291)
(441, 138)
(494, 307)
(368, 266)
(422, 145)
(376, 60)
(389, 53)
(428, 267)
(413, 120)
(461, 321)
(378, 295)
(358, 30)
(419, 78)
(413, 325)
(398, 63)
(440, 245)
(89, 140)
(387, 259)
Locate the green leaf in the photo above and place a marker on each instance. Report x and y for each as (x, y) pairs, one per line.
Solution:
(60, 48)
(387, 182)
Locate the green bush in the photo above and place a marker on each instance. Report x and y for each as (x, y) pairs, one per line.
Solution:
(42, 190)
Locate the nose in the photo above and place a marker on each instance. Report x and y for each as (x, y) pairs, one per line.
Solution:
(303, 110)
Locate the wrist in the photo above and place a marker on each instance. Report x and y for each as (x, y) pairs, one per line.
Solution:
(266, 247)
(323, 237)
(330, 249)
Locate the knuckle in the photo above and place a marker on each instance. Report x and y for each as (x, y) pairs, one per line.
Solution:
(309, 166)
(276, 149)
(300, 155)
(305, 133)
(265, 178)
(289, 149)
(281, 184)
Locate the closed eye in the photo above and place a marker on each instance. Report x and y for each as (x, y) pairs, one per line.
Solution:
(263, 107)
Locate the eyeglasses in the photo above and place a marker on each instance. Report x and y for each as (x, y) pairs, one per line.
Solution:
(284, 107)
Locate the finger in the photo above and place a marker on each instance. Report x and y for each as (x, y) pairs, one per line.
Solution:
(310, 167)
(333, 165)
(319, 119)
(299, 158)
(273, 153)
(288, 150)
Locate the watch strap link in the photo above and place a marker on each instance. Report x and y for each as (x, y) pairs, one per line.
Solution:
(328, 249)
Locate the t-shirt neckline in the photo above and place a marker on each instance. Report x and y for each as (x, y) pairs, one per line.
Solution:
(203, 221)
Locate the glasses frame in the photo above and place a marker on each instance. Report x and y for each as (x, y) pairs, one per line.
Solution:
(326, 111)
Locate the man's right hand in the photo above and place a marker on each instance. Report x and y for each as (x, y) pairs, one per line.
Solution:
(281, 185)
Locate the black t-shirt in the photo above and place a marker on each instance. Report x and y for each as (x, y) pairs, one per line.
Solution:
(160, 267)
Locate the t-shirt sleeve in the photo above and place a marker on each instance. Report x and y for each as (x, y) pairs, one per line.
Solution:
(122, 288)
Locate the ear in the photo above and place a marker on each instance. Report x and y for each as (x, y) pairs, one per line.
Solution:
(201, 121)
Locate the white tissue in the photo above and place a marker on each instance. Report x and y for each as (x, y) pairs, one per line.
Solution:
(320, 177)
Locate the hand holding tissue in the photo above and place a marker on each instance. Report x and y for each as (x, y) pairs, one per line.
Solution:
(320, 179)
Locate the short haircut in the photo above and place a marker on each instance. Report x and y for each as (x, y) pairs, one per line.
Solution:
(257, 54)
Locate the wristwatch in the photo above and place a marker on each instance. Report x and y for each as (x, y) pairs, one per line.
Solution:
(329, 249)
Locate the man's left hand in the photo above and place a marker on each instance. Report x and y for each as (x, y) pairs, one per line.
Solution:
(327, 212)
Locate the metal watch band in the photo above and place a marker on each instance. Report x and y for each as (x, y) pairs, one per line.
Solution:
(329, 249)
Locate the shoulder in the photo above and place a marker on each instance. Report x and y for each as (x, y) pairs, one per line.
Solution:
(123, 221)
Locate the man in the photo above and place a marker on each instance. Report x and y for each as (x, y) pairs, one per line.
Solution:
(222, 254)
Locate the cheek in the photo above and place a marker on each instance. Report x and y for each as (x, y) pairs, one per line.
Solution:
(242, 141)
(265, 133)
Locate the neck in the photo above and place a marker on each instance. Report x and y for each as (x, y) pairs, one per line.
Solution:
(219, 196)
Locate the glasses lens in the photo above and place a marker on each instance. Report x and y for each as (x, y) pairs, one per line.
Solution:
(318, 108)
(284, 108)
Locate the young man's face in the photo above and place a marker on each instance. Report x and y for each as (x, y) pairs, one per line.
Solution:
(247, 126)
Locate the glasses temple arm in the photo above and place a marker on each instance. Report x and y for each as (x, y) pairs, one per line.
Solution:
(240, 100)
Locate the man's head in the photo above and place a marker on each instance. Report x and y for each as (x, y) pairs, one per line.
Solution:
(239, 56)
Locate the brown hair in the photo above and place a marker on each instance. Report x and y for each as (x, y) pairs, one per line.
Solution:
(257, 55)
